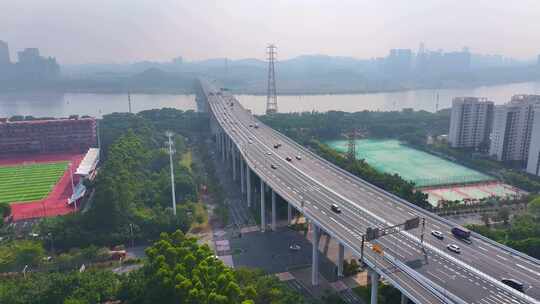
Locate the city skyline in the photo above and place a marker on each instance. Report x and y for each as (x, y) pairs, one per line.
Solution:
(125, 30)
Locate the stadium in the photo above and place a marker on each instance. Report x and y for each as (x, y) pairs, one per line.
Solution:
(43, 165)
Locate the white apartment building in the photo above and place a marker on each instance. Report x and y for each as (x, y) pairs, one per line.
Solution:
(470, 122)
(533, 163)
(512, 128)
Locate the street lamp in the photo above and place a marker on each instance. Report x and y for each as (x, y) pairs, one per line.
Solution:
(169, 134)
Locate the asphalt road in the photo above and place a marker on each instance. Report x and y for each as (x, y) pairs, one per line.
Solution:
(474, 275)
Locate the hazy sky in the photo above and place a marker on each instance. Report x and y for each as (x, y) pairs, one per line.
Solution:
(83, 31)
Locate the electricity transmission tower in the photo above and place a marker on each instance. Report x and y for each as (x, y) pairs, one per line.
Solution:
(271, 96)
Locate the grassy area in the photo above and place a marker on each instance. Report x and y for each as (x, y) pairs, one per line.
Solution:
(200, 218)
(26, 183)
(187, 160)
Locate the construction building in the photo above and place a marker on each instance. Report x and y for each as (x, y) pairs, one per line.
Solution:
(512, 128)
(47, 136)
(470, 122)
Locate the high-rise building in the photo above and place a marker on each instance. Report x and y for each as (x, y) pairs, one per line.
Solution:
(533, 163)
(29, 56)
(512, 128)
(470, 122)
(4, 53)
(399, 61)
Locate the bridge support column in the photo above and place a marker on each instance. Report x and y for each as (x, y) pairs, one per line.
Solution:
(404, 299)
(374, 285)
(227, 147)
(274, 215)
(234, 164)
(242, 173)
(314, 254)
(341, 255)
(289, 213)
(248, 186)
(263, 208)
(222, 135)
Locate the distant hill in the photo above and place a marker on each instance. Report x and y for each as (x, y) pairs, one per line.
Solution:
(306, 74)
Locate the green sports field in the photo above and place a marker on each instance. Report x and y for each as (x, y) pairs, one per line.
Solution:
(24, 183)
(422, 168)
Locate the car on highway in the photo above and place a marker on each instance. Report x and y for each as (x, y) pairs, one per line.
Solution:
(298, 157)
(295, 247)
(335, 208)
(250, 141)
(288, 158)
(256, 126)
(268, 153)
(250, 125)
(514, 284)
(273, 166)
(437, 234)
(454, 248)
(277, 146)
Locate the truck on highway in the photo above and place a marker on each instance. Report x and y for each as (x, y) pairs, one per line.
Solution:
(461, 233)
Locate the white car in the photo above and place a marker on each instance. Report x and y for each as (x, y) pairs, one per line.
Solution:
(437, 234)
(454, 248)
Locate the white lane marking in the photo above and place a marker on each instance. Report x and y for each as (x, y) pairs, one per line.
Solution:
(528, 269)
(482, 248)
(501, 257)
(323, 212)
(314, 206)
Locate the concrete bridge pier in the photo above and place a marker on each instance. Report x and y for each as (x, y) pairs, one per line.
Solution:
(404, 299)
(242, 173)
(341, 255)
(375, 277)
(222, 136)
(274, 215)
(315, 254)
(248, 186)
(289, 213)
(263, 208)
(234, 164)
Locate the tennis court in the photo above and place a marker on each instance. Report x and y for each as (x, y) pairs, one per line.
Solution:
(424, 169)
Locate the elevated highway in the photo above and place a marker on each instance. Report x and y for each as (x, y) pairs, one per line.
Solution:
(427, 273)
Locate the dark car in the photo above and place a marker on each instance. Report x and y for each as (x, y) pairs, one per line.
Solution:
(335, 208)
(288, 158)
(513, 283)
(277, 146)
(273, 166)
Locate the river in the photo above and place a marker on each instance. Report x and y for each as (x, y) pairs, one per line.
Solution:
(60, 105)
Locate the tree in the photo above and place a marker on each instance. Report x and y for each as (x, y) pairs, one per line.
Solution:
(485, 219)
(534, 208)
(504, 215)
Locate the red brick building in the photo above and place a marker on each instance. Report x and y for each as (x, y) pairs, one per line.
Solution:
(42, 136)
